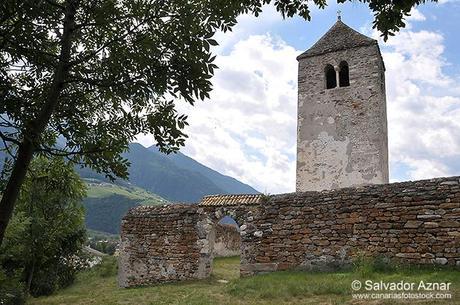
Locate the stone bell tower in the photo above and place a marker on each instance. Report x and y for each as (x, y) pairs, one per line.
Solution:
(342, 122)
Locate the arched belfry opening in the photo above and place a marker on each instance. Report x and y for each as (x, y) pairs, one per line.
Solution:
(331, 80)
(344, 74)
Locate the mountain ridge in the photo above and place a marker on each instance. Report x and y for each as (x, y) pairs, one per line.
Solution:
(175, 177)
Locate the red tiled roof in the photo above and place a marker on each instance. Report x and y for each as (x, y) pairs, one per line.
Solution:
(223, 200)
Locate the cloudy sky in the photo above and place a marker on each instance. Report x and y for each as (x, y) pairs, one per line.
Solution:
(248, 128)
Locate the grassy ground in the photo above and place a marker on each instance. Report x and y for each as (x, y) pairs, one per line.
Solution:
(224, 287)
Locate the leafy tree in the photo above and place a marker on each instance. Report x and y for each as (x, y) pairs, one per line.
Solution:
(47, 230)
(12, 288)
(95, 73)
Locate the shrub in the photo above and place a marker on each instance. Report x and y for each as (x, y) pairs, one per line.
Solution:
(365, 265)
(11, 289)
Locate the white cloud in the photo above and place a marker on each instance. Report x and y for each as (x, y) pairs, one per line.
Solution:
(447, 1)
(416, 15)
(423, 106)
(247, 25)
(248, 129)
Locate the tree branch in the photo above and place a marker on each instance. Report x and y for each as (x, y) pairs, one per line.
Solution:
(55, 4)
(64, 153)
(8, 139)
(117, 39)
(102, 82)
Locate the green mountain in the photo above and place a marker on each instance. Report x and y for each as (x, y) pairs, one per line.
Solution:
(174, 177)
(99, 189)
(154, 178)
(228, 184)
(107, 203)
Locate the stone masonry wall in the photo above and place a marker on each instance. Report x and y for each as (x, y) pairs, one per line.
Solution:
(414, 222)
(227, 241)
(163, 244)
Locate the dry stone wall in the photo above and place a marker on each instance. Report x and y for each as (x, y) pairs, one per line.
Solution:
(227, 241)
(164, 244)
(414, 222)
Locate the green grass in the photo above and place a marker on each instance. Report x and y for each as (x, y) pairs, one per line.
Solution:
(224, 287)
(98, 189)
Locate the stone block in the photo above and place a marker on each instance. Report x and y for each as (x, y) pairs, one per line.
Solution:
(412, 224)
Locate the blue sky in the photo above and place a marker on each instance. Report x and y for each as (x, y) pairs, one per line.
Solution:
(248, 128)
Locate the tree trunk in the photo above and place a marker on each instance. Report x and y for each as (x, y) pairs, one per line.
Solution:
(35, 129)
(11, 193)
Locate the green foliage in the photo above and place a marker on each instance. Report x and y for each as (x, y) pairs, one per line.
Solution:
(11, 288)
(108, 267)
(366, 265)
(5, 169)
(103, 242)
(126, 64)
(389, 15)
(47, 229)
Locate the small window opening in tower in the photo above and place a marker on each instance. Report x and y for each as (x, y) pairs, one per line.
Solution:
(331, 80)
(344, 74)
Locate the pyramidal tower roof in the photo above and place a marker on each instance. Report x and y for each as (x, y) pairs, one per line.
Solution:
(339, 37)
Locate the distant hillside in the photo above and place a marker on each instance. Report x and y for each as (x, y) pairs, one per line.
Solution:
(100, 189)
(107, 203)
(228, 184)
(155, 178)
(174, 177)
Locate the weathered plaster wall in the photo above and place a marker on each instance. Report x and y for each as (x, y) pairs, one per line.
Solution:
(415, 222)
(227, 241)
(342, 132)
